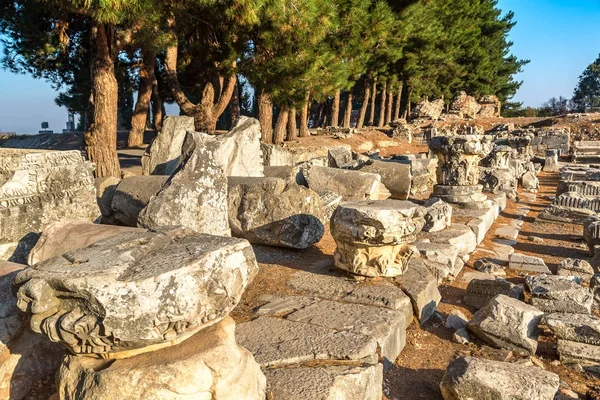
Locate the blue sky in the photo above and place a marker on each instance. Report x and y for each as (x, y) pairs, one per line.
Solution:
(560, 37)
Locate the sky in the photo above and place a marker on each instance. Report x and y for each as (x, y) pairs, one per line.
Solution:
(560, 37)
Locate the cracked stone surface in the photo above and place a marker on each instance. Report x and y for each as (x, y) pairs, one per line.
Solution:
(522, 262)
(362, 382)
(551, 293)
(136, 289)
(469, 378)
(421, 286)
(458, 235)
(481, 291)
(508, 323)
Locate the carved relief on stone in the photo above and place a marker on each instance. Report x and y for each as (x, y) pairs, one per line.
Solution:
(136, 291)
(373, 237)
(459, 158)
(373, 261)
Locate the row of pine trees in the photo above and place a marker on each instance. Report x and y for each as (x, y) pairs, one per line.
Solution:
(301, 60)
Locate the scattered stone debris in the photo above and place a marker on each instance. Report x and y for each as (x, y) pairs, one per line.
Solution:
(551, 293)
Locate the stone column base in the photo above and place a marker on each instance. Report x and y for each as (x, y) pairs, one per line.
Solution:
(372, 260)
(462, 196)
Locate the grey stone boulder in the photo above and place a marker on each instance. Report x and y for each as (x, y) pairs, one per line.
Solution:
(136, 289)
(340, 157)
(163, 155)
(551, 293)
(508, 323)
(272, 212)
(573, 267)
(481, 291)
(468, 378)
(439, 215)
(208, 363)
(132, 196)
(351, 185)
(63, 237)
(195, 196)
(422, 289)
(456, 320)
(578, 338)
(326, 383)
(529, 181)
(238, 151)
(396, 177)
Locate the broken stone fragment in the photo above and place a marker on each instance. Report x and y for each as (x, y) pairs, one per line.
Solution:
(67, 236)
(508, 323)
(340, 157)
(136, 289)
(105, 190)
(351, 185)
(421, 286)
(132, 196)
(551, 293)
(163, 155)
(529, 181)
(522, 262)
(373, 237)
(578, 338)
(481, 291)
(396, 177)
(272, 212)
(456, 320)
(439, 215)
(363, 382)
(195, 196)
(469, 378)
(574, 267)
(210, 361)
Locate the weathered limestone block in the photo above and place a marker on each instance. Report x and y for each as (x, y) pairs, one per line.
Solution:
(579, 268)
(340, 157)
(163, 155)
(63, 237)
(207, 365)
(105, 191)
(551, 293)
(421, 286)
(132, 196)
(464, 106)
(481, 291)
(529, 181)
(373, 237)
(403, 131)
(439, 215)
(330, 201)
(387, 327)
(428, 110)
(490, 107)
(496, 173)
(522, 262)
(326, 383)
(238, 151)
(591, 232)
(351, 185)
(442, 253)
(469, 378)
(584, 188)
(457, 235)
(195, 196)
(508, 323)
(458, 168)
(289, 173)
(135, 290)
(551, 162)
(290, 343)
(38, 188)
(578, 338)
(272, 212)
(396, 177)
(24, 356)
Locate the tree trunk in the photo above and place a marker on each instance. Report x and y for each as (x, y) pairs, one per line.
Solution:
(390, 106)
(292, 132)
(211, 108)
(373, 99)
(319, 115)
(140, 114)
(398, 102)
(281, 126)
(381, 120)
(348, 112)
(363, 107)
(265, 116)
(234, 109)
(334, 119)
(101, 138)
(157, 107)
(304, 118)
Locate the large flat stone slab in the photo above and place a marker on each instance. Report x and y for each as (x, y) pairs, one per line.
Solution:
(551, 293)
(458, 235)
(421, 286)
(326, 383)
(469, 378)
(523, 262)
(136, 289)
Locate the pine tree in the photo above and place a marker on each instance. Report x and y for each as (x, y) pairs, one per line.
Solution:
(587, 91)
